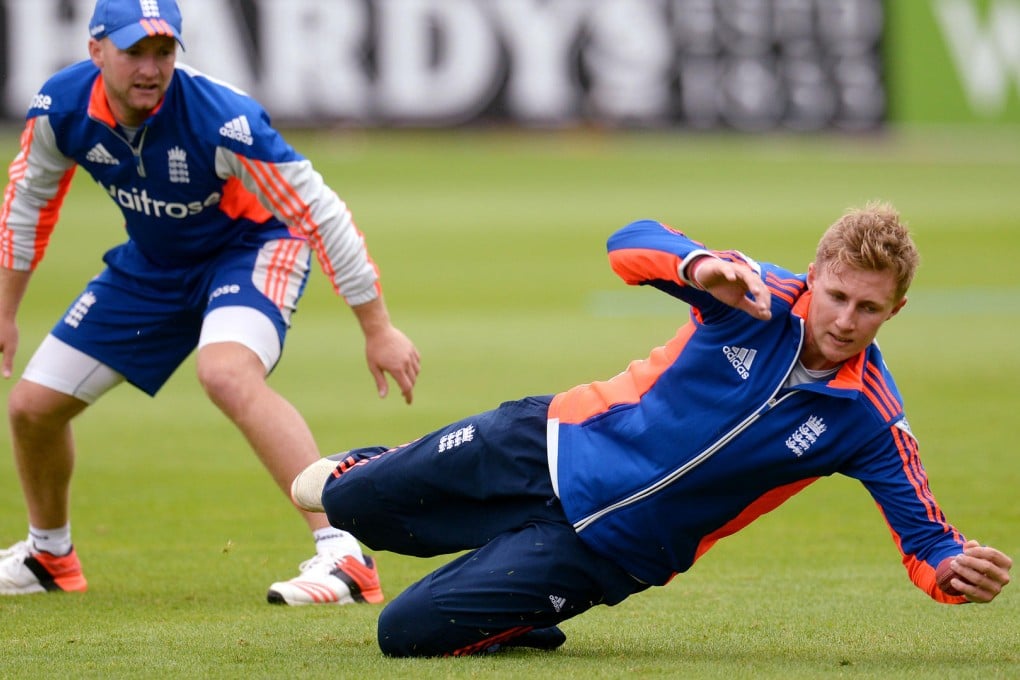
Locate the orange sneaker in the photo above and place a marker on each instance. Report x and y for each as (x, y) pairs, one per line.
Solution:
(328, 579)
(24, 570)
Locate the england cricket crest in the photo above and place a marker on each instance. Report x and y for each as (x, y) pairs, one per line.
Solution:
(177, 158)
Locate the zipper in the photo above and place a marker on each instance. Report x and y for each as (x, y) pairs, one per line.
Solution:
(677, 474)
(136, 151)
(693, 463)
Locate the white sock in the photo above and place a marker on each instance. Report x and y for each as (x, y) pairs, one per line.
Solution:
(332, 541)
(54, 541)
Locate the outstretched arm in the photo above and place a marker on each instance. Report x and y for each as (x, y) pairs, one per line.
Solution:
(733, 283)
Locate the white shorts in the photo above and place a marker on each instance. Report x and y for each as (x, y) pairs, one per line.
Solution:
(65, 369)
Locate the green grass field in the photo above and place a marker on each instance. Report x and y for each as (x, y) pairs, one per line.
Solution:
(491, 246)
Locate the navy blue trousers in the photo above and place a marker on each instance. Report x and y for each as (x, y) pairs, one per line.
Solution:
(480, 485)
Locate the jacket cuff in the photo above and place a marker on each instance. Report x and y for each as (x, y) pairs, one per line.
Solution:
(689, 259)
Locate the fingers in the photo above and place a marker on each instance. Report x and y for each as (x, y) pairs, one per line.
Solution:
(983, 572)
(404, 373)
(757, 310)
(972, 548)
(407, 378)
(759, 304)
(381, 386)
(737, 285)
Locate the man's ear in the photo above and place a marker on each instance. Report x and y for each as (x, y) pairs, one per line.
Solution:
(896, 309)
(96, 52)
(810, 275)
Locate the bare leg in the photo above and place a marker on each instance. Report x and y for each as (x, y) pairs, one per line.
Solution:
(234, 378)
(40, 420)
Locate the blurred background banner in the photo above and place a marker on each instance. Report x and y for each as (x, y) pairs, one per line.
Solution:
(750, 65)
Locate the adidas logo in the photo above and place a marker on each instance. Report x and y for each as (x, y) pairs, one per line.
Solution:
(741, 359)
(238, 130)
(99, 154)
(557, 602)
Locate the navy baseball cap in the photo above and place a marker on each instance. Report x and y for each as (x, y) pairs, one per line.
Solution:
(125, 22)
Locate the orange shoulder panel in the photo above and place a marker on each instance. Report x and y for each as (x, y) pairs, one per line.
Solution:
(635, 265)
(584, 401)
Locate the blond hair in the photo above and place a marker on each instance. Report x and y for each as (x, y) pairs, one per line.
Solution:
(872, 238)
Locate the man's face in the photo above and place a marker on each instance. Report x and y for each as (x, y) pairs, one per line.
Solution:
(847, 309)
(136, 78)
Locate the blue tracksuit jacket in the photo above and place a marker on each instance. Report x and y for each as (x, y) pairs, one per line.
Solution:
(692, 444)
(205, 171)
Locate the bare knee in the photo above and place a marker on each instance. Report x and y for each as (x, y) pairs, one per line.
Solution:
(31, 406)
(20, 406)
(227, 372)
(216, 378)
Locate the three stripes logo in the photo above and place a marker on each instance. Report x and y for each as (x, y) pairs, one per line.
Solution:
(238, 130)
(99, 154)
(741, 359)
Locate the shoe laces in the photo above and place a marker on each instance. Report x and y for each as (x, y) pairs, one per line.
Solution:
(322, 562)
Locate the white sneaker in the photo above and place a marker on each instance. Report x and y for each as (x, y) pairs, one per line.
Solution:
(24, 571)
(306, 489)
(330, 580)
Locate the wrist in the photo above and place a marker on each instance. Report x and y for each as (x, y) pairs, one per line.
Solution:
(691, 264)
(372, 316)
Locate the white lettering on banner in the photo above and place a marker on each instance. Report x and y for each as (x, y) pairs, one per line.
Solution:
(38, 42)
(437, 61)
(984, 56)
(541, 42)
(313, 58)
(218, 42)
(766, 64)
(46, 35)
(630, 61)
